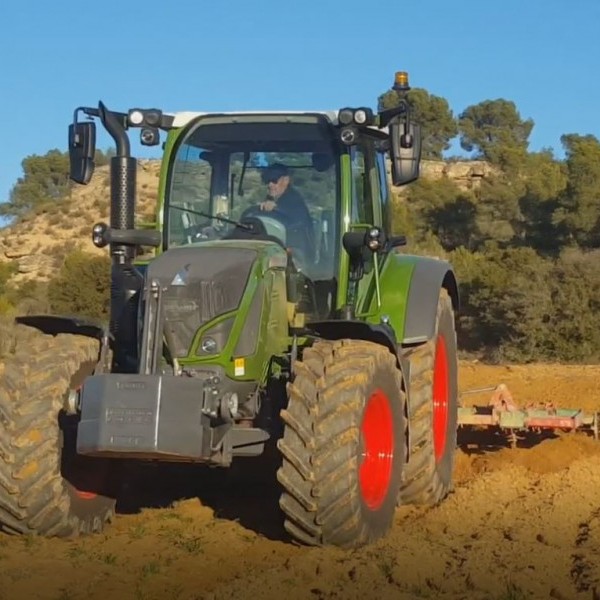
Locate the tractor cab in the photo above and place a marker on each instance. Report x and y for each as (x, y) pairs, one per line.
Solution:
(300, 180)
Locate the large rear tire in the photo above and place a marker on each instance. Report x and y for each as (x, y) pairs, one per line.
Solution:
(433, 411)
(343, 446)
(45, 487)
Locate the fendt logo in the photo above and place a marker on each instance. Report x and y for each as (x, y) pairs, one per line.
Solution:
(182, 277)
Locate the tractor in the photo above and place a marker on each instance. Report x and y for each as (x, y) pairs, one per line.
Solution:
(240, 322)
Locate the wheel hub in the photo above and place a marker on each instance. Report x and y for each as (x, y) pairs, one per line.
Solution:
(377, 430)
(440, 399)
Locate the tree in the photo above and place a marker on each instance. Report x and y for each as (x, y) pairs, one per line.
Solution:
(45, 179)
(545, 180)
(433, 113)
(443, 209)
(496, 131)
(511, 303)
(574, 329)
(578, 212)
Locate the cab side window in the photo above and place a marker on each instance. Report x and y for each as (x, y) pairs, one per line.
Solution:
(384, 193)
(362, 200)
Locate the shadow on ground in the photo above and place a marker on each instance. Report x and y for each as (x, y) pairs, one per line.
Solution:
(247, 492)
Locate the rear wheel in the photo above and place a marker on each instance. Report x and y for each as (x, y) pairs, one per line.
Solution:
(343, 446)
(433, 398)
(45, 487)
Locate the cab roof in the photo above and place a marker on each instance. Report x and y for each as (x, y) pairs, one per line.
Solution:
(180, 119)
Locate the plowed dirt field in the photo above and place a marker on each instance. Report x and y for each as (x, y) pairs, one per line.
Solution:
(521, 523)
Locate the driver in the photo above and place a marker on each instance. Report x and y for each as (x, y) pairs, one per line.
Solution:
(285, 198)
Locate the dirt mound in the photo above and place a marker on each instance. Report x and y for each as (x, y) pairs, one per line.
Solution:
(550, 455)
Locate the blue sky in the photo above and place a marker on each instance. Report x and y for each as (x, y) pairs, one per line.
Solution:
(227, 55)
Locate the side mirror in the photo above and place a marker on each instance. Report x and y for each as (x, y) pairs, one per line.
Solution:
(405, 151)
(82, 148)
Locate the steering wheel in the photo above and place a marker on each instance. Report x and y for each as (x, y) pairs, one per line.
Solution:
(257, 229)
(256, 211)
(200, 232)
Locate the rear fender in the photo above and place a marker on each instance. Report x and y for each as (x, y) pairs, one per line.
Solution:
(428, 278)
(359, 330)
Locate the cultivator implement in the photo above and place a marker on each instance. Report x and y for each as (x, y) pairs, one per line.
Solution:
(504, 415)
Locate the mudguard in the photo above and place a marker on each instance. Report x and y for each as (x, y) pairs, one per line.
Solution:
(361, 330)
(54, 325)
(428, 277)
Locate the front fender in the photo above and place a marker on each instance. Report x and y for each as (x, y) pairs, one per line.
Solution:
(428, 277)
(382, 334)
(54, 325)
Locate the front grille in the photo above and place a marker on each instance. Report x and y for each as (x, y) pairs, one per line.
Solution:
(199, 284)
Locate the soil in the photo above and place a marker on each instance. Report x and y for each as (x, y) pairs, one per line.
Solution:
(521, 523)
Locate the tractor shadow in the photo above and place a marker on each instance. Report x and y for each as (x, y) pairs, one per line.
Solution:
(247, 493)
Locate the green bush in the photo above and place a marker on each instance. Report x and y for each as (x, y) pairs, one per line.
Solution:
(574, 329)
(28, 297)
(520, 307)
(82, 286)
(7, 270)
(507, 303)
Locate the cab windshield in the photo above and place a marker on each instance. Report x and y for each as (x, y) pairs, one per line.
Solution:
(283, 172)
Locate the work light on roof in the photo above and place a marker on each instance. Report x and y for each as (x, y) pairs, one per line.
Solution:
(346, 116)
(136, 117)
(356, 116)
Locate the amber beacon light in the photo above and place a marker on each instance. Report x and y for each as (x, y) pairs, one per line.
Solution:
(401, 81)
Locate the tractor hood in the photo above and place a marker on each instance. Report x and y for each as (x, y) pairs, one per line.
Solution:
(199, 284)
(194, 294)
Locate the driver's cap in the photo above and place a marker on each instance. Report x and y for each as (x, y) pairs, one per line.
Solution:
(274, 172)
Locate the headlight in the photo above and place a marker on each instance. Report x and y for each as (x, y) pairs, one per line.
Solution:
(213, 340)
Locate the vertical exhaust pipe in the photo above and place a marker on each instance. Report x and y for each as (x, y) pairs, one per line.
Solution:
(126, 281)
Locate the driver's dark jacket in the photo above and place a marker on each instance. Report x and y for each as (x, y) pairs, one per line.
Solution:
(300, 227)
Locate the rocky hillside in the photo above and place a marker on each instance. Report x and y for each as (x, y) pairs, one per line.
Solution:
(39, 242)
(37, 245)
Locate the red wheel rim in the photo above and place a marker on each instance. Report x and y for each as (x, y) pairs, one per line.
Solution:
(85, 495)
(378, 450)
(440, 399)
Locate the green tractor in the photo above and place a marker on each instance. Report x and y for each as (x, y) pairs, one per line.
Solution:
(276, 309)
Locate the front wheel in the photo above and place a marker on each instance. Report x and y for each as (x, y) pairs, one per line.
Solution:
(45, 487)
(433, 412)
(343, 446)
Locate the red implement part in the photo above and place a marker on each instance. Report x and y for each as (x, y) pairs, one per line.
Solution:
(502, 411)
